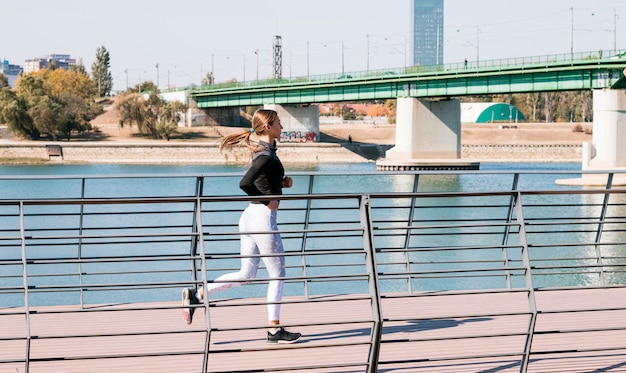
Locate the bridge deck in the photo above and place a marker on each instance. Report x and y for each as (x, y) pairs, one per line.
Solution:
(433, 332)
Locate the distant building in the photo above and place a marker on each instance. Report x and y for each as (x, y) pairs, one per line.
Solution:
(490, 112)
(62, 61)
(10, 71)
(427, 28)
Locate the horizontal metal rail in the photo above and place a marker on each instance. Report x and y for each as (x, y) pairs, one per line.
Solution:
(131, 254)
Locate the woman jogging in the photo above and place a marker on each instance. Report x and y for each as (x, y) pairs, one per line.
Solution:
(266, 176)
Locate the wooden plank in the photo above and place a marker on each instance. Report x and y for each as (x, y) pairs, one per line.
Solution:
(427, 332)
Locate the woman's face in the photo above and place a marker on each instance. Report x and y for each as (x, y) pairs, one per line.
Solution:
(275, 128)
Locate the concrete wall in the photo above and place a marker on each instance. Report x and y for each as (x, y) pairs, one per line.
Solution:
(300, 123)
(289, 153)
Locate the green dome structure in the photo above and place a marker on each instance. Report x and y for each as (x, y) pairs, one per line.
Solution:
(490, 112)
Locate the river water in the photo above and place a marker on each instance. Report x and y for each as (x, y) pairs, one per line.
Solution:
(15, 184)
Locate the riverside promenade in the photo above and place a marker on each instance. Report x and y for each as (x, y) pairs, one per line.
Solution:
(500, 277)
(425, 333)
(311, 153)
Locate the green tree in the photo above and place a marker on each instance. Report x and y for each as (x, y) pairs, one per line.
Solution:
(49, 103)
(4, 81)
(152, 115)
(79, 68)
(100, 72)
(144, 87)
(14, 112)
(208, 79)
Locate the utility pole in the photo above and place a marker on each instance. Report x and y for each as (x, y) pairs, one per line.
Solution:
(571, 48)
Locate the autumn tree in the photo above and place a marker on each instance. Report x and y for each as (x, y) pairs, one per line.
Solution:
(50, 103)
(100, 72)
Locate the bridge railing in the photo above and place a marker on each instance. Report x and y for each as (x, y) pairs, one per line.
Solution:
(389, 73)
(124, 243)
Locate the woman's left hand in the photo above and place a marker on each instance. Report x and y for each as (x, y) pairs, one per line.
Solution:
(287, 182)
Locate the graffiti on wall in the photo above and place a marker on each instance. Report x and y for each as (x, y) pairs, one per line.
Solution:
(298, 136)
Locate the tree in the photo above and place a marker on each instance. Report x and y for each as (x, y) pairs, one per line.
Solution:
(51, 103)
(208, 79)
(101, 74)
(144, 87)
(550, 102)
(79, 68)
(14, 112)
(152, 115)
(533, 100)
(4, 81)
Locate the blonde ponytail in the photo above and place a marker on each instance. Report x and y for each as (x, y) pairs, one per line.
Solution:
(260, 120)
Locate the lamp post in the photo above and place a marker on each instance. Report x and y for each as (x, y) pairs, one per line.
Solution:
(571, 37)
(368, 53)
(614, 31)
(477, 46)
(342, 58)
(157, 69)
(257, 63)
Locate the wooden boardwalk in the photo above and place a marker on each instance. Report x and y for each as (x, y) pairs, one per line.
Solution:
(434, 332)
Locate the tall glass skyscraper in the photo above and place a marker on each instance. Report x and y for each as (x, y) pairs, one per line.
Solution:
(427, 26)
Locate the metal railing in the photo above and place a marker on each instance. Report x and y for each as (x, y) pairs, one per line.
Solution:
(132, 242)
(392, 72)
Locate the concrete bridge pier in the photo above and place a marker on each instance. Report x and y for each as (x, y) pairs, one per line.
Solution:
(607, 149)
(428, 136)
(300, 123)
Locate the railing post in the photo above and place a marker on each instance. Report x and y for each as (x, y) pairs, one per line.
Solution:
(307, 219)
(507, 231)
(25, 284)
(199, 243)
(529, 283)
(80, 245)
(193, 250)
(407, 237)
(600, 229)
(370, 263)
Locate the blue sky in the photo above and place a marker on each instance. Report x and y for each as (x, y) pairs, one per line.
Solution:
(189, 38)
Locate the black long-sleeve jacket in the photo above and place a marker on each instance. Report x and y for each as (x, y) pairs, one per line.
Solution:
(265, 176)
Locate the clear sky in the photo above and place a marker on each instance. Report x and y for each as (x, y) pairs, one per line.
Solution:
(188, 38)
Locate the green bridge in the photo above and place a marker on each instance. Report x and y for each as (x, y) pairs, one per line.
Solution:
(428, 125)
(565, 72)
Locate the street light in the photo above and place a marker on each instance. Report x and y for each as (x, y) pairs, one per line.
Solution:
(342, 58)
(257, 63)
(571, 37)
(368, 52)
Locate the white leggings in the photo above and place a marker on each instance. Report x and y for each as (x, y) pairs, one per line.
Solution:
(257, 218)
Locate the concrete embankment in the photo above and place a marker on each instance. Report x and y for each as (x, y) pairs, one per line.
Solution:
(102, 152)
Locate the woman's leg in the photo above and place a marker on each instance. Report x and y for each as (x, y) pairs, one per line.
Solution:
(248, 270)
(271, 249)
